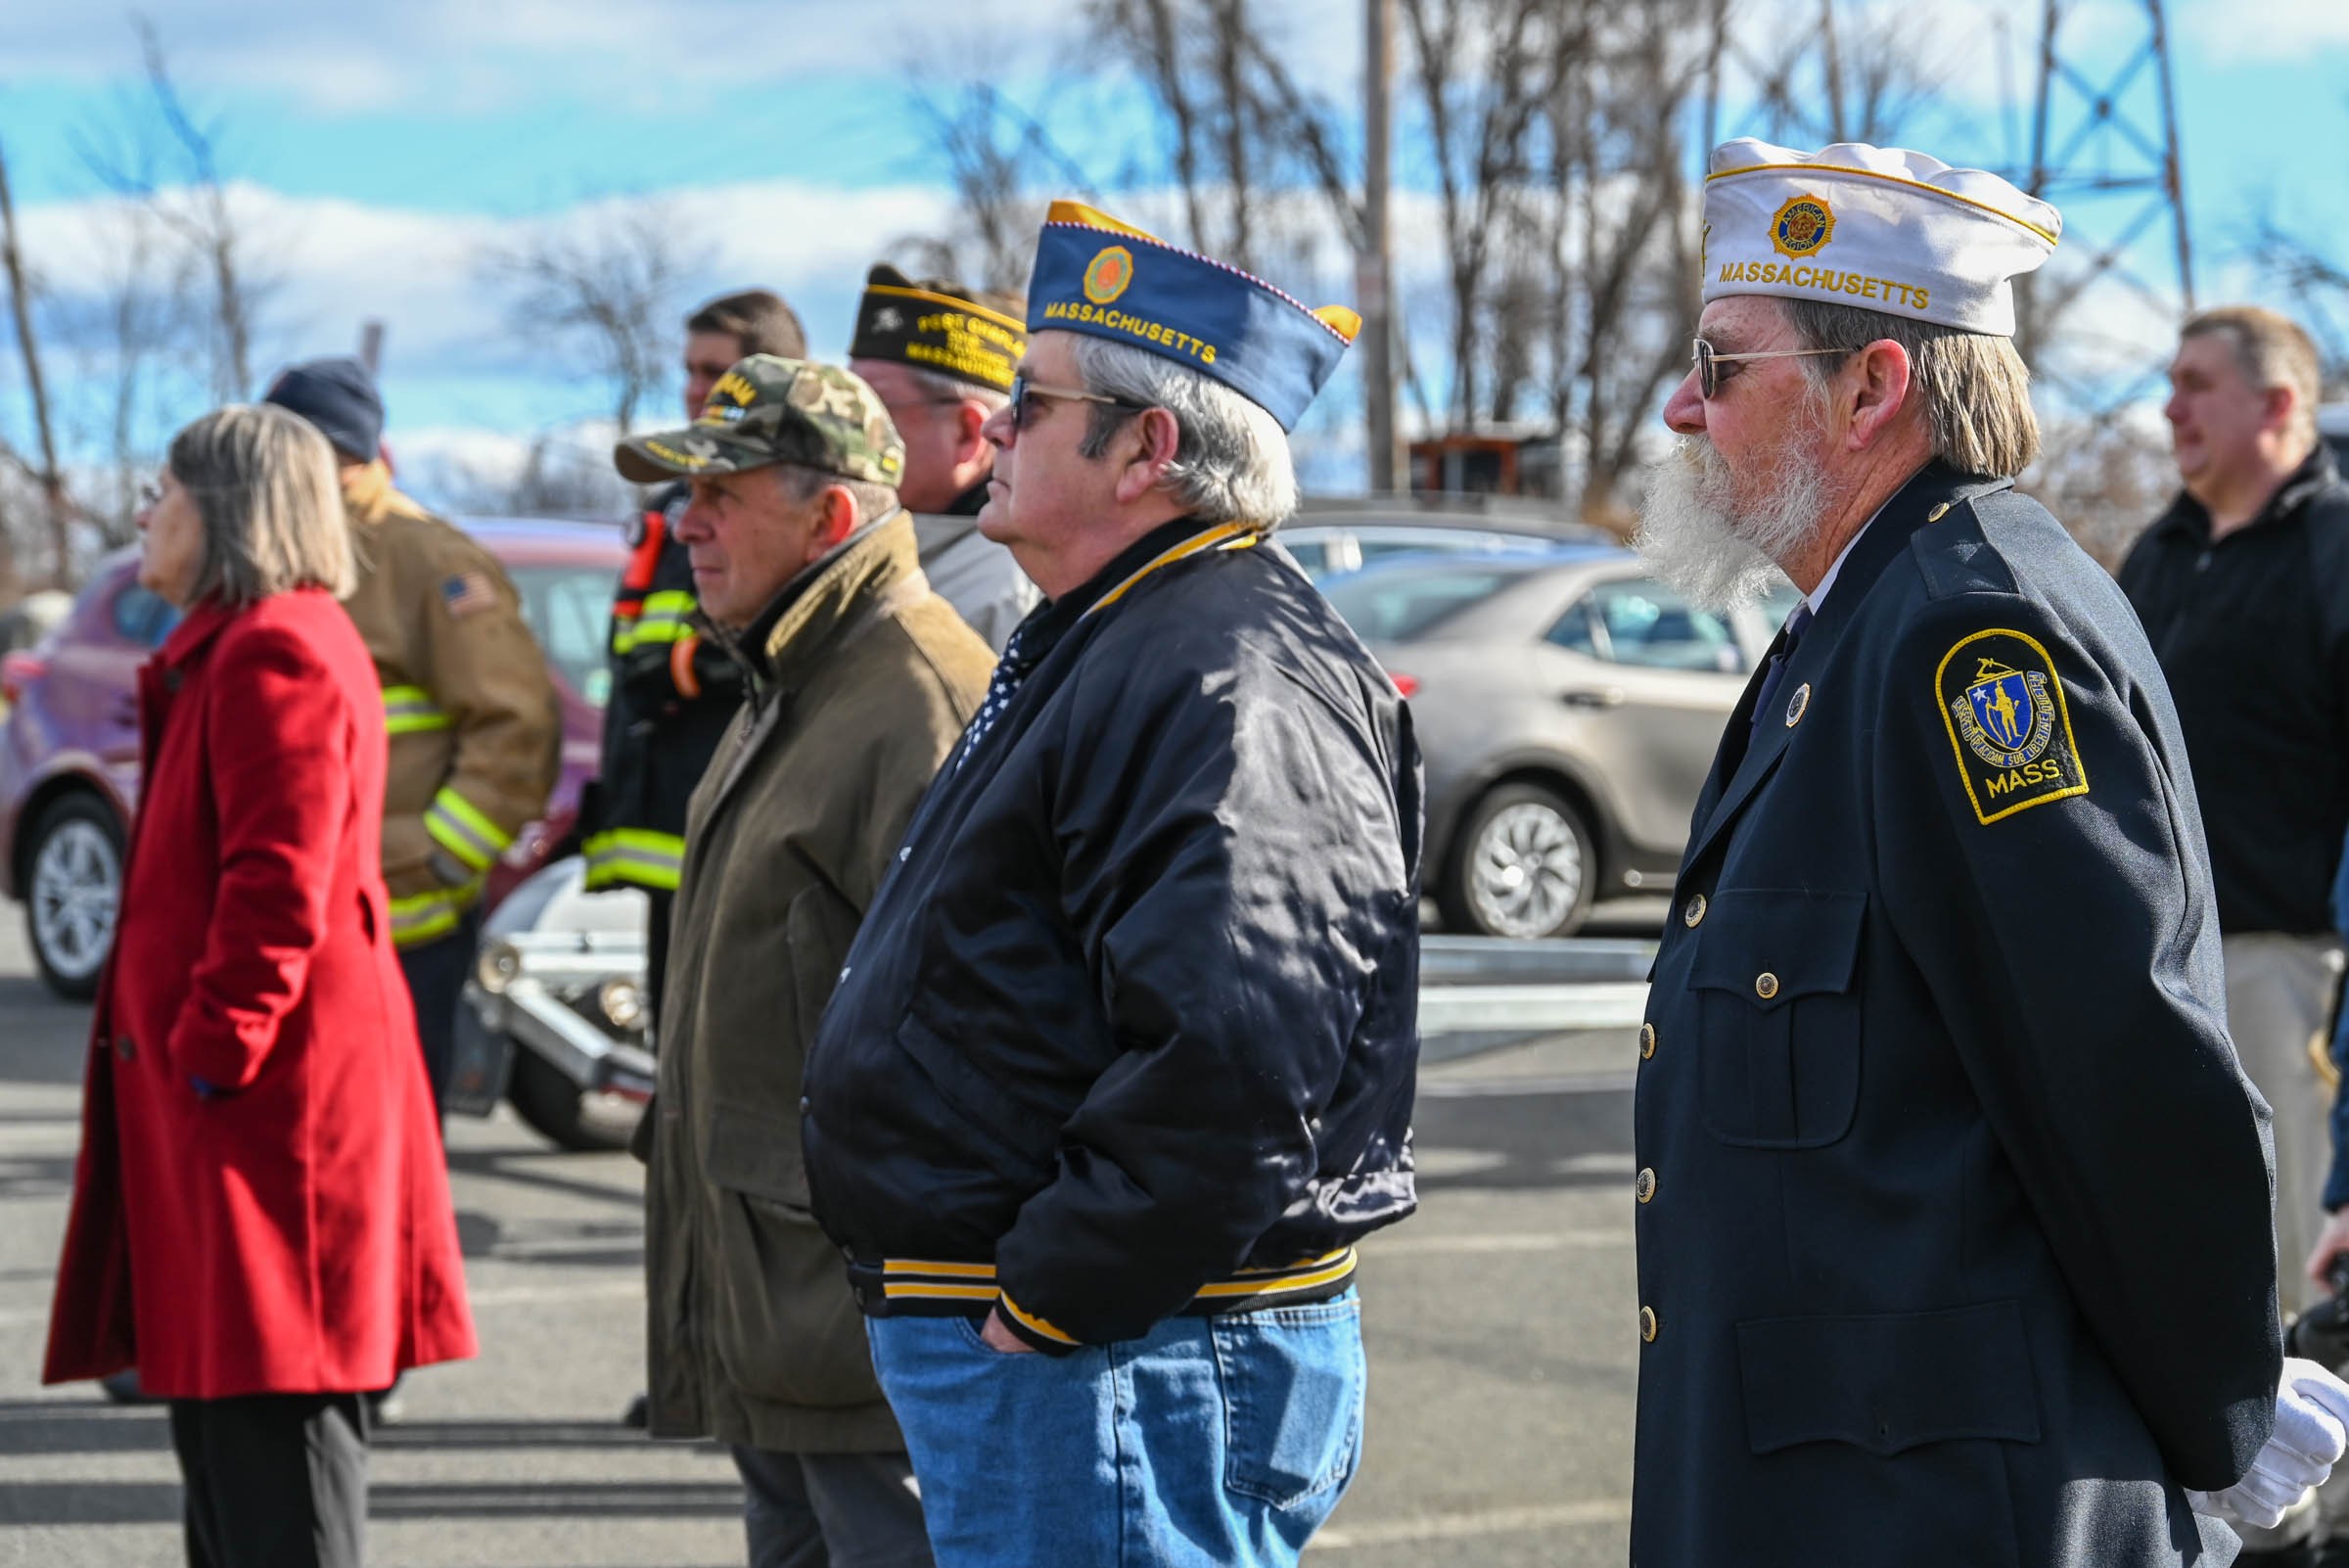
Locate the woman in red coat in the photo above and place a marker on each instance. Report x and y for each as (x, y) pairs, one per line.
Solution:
(261, 1220)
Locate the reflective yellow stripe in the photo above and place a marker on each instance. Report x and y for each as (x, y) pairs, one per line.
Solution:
(459, 827)
(409, 710)
(422, 917)
(636, 856)
(662, 619)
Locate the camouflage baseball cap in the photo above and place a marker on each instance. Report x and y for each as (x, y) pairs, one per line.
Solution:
(770, 410)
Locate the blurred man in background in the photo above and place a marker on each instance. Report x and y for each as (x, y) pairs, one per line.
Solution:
(468, 703)
(2243, 588)
(942, 357)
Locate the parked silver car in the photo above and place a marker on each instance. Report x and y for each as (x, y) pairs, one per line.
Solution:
(1331, 536)
(1568, 707)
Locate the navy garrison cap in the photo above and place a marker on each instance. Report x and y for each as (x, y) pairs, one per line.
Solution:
(339, 397)
(1099, 276)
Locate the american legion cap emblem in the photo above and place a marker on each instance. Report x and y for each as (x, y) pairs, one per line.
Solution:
(1802, 227)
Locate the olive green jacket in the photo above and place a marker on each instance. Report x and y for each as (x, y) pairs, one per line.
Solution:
(856, 695)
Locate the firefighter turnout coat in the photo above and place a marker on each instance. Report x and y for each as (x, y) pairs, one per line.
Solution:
(673, 693)
(469, 707)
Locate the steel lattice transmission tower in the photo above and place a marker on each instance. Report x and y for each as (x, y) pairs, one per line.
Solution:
(2104, 149)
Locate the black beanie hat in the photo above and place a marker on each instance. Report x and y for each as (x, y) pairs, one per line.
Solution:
(339, 397)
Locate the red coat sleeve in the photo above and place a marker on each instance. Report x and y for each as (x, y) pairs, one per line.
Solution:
(278, 745)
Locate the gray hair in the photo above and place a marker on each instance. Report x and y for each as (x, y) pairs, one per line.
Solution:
(935, 384)
(803, 484)
(2274, 351)
(1232, 458)
(1972, 386)
(264, 484)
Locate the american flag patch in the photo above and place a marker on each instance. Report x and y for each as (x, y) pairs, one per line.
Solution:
(467, 592)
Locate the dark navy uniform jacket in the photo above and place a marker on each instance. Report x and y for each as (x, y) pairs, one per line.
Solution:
(1954, 1206)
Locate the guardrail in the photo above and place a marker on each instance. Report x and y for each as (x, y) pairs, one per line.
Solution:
(1488, 986)
(1476, 994)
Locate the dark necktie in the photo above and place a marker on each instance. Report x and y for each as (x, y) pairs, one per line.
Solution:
(1010, 671)
(1776, 671)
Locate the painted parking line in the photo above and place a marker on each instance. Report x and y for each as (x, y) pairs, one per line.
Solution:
(495, 1296)
(1409, 1246)
(1467, 1526)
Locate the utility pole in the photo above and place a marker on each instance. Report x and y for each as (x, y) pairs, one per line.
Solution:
(1374, 280)
(2104, 150)
(371, 345)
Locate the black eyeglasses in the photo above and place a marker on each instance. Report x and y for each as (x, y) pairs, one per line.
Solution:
(1708, 363)
(1026, 395)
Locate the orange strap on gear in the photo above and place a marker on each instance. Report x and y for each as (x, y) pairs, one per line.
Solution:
(637, 579)
(681, 672)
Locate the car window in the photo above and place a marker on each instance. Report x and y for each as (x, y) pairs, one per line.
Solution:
(1375, 545)
(1573, 630)
(1310, 552)
(142, 617)
(1393, 606)
(1649, 624)
(569, 609)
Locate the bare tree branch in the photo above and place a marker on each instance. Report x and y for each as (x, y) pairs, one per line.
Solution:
(607, 292)
(161, 157)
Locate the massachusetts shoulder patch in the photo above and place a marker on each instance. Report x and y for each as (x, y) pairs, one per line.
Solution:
(2010, 725)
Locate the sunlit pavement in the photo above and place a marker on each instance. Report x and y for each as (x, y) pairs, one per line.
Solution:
(1500, 1326)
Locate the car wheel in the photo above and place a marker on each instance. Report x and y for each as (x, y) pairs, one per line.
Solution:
(566, 1115)
(73, 890)
(1524, 868)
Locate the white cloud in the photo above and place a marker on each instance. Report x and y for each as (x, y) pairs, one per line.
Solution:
(420, 53)
(2270, 31)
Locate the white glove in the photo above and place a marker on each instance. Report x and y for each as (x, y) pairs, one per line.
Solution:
(2312, 1432)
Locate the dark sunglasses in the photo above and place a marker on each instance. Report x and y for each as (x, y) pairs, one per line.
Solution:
(1027, 398)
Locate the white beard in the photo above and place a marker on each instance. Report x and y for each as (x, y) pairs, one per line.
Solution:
(1699, 538)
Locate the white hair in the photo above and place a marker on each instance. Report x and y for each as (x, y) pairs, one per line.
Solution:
(1231, 459)
(1701, 535)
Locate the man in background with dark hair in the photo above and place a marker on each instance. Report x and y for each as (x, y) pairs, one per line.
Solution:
(671, 696)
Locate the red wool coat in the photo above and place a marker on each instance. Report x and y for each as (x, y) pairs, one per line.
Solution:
(261, 1203)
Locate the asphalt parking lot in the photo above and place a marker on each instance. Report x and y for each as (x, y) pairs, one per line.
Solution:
(1500, 1322)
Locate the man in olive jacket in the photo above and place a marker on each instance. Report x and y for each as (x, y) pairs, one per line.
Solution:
(858, 679)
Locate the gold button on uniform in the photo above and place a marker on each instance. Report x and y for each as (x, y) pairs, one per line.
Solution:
(1647, 1040)
(1694, 912)
(1798, 705)
(1765, 985)
(1647, 1324)
(1644, 1185)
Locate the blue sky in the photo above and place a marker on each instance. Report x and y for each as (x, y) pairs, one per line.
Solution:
(379, 156)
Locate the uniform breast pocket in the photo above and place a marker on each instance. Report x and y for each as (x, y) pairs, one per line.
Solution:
(1778, 1004)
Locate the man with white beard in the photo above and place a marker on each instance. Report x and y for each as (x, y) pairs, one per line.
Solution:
(1954, 1204)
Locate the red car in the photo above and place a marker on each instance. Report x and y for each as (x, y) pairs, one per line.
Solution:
(69, 747)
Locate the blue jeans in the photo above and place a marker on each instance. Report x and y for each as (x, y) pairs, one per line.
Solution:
(1208, 1441)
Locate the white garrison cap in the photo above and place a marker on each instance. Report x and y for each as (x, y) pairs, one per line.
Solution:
(1879, 227)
